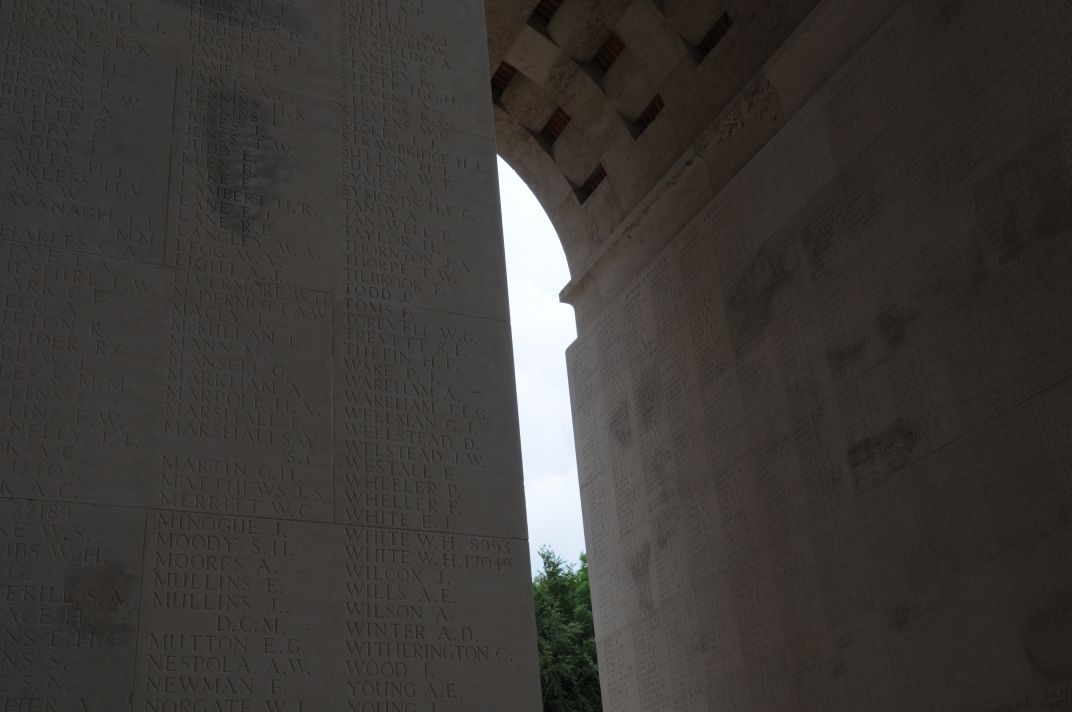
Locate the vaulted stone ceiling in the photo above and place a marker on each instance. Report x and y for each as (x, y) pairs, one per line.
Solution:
(598, 103)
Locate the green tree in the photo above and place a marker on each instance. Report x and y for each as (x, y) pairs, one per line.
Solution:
(569, 673)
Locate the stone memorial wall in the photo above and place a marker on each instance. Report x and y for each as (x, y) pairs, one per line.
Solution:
(258, 431)
(824, 435)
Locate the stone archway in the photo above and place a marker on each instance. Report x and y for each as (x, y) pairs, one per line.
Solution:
(258, 438)
(818, 252)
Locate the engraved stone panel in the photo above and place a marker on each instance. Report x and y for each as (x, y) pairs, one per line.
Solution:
(421, 440)
(81, 129)
(71, 592)
(838, 398)
(258, 431)
(84, 364)
(246, 425)
(252, 196)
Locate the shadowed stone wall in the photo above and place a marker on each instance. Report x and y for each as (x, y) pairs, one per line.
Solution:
(258, 448)
(258, 432)
(823, 428)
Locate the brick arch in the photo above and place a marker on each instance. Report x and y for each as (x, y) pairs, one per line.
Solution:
(650, 92)
(820, 389)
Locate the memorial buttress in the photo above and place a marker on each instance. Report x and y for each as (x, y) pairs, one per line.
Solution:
(258, 430)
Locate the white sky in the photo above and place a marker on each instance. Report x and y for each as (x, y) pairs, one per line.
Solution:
(543, 328)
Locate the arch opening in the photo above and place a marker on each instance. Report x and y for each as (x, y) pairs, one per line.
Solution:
(543, 328)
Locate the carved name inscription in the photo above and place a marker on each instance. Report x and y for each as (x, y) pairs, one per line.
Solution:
(247, 167)
(69, 591)
(70, 112)
(80, 369)
(247, 409)
(420, 442)
(258, 443)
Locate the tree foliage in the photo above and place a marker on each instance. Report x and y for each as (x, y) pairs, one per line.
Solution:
(569, 673)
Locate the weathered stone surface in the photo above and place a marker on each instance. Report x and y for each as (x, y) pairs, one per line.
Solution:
(258, 447)
(821, 429)
(258, 436)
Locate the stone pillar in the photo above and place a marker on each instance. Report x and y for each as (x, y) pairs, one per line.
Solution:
(258, 431)
(824, 431)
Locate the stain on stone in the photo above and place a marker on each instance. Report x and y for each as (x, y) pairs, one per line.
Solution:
(822, 225)
(822, 486)
(664, 497)
(838, 667)
(621, 426)
(103, 594)
(893, 323)
(1025, 199)
(816, 242)
(873, 457)
(246, 179)
(749, 303)
(640, 571)
(649, 395)
(259, 175)
(937, 15)
(864, 200)
(841, 357)
(1048, 641)
(665, 534)
(948, 12)
(900, 618)
(906, 616)
(655, 474)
